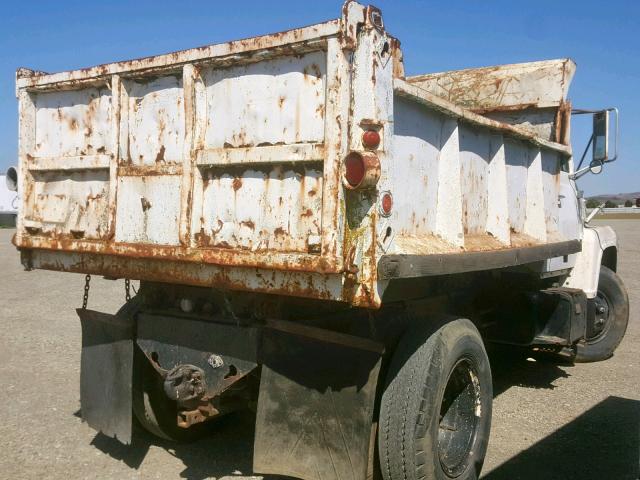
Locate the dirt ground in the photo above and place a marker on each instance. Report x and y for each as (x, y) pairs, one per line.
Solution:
(550, 421)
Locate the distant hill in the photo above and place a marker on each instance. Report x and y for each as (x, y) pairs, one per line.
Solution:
(618, 198)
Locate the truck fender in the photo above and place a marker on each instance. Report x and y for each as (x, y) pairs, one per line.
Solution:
(599, 247)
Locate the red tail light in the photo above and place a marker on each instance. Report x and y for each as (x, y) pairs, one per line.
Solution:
(371, 139)
(361, 170)
(386, 204)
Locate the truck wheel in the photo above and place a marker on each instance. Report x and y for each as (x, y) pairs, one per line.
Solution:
(611, 306)
(435, 414)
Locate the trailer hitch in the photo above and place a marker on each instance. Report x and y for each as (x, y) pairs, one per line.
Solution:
(185, 384)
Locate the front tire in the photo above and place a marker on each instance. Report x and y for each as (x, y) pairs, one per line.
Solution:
(611, 311)
(435, 414)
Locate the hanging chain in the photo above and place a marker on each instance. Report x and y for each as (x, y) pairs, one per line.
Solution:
(85, 296)
(127, 289)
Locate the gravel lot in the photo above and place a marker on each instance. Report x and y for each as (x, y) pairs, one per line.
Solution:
(550, 421)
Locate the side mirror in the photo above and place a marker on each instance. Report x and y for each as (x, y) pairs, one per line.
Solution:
(601, 136)
(601, 127)
(12, 179)
(599, 141)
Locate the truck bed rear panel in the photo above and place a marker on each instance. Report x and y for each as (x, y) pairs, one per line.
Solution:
(223, 166)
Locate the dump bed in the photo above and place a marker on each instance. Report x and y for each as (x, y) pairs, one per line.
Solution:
(223, 166)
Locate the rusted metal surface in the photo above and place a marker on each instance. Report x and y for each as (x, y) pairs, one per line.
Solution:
(154, 268)
(290, 201)
(525, 94)
(420, 95)
(72, 123)
(503, 87)
(72, 204)
(200, 360)
(224, 165)
(224, 52)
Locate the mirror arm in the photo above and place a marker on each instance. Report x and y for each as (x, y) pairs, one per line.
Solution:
(579, 173)
(585, 152)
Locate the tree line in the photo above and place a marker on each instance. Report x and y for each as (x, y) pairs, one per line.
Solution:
(593, 203)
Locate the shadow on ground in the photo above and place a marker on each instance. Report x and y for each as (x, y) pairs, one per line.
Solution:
(512, 367)
(602, 443)
(227, 452)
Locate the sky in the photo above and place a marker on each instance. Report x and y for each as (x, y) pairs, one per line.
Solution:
(603, 39)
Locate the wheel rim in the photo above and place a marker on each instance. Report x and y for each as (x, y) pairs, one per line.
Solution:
(603, 318)
(460, 412)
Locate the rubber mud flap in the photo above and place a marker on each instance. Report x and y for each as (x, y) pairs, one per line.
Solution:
(106, 372)
(316, 404)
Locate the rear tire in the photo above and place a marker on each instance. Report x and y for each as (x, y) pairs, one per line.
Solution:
(435, 414)
(613, 302)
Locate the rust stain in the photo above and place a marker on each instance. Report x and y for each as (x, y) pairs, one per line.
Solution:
(222, 254)
(160, 155)
(315, 69)
(237, 184)
(160, 271)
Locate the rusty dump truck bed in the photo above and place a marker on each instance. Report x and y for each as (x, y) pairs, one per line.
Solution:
(224, 166)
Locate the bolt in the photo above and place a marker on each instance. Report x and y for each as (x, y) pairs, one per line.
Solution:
(186, 305)
(215, 361)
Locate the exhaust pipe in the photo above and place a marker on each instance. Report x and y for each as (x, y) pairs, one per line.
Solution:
(12, 179)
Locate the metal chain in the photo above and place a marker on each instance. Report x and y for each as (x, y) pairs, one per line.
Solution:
(85, 296)
(127, 289)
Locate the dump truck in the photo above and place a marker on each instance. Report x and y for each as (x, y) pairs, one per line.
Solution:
(321, 241)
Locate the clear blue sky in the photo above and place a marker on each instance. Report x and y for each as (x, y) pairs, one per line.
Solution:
(602, 37)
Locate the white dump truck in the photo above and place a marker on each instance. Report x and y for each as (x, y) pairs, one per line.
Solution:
(320, 239)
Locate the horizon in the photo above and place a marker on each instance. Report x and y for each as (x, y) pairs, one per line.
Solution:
(450, 37)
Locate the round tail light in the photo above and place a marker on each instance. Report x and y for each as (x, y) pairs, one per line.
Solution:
(386, 204)
(361, 170)
(371, 139)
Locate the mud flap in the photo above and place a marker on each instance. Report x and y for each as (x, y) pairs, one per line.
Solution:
(106, 372)
(315, 410)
